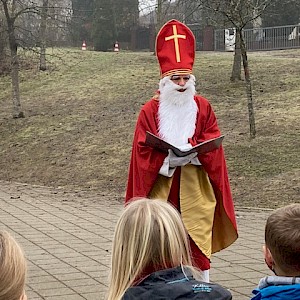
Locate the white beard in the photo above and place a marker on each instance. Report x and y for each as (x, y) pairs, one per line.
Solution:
(177, 111)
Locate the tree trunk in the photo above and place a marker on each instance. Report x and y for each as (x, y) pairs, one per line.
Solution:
(3, 55)
(2, 40)
(237, 61)
(159, 16)
(17, 110)
(248, 87)
(43, 27)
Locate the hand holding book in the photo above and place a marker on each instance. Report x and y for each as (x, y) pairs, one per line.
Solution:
(179, 161)
(204, 147)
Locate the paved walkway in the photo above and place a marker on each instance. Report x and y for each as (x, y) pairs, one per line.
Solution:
(67, 239)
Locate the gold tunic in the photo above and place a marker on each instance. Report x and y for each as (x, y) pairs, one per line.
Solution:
(197, 203)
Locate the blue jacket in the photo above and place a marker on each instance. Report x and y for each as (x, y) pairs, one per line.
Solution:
(278, 288)
(174, 284)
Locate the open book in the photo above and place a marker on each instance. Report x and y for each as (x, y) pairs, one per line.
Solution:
(206, 146)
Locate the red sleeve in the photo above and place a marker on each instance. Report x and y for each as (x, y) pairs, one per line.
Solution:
(145, 162)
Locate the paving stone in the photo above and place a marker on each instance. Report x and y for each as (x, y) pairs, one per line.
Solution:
(67, 240)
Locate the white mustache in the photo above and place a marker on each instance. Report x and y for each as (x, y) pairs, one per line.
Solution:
(175, 94)
(166, 81)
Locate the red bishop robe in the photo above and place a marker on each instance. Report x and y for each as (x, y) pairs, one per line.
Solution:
(146, 162)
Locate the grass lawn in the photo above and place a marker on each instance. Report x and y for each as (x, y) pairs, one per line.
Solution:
(80, 118)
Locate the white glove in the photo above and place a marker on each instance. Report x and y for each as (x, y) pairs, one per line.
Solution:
(179, 161)
(172, 161)
(194, 161)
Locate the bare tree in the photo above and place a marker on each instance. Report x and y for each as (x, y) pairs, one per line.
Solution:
(237, 61)
(163, 11)
(239, 13)
(11, 16)
(23, 20)
(168, 9)
(146, 6)
(43, 28)
(3, 44)
(159, 14)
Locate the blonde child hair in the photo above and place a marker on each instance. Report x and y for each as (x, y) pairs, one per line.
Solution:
(12, 268)
(149, 233)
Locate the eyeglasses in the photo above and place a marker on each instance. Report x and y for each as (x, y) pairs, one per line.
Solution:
(180, 77)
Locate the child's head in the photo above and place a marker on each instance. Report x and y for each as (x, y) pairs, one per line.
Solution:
(12, 268)
(149, 233)
(282, 237)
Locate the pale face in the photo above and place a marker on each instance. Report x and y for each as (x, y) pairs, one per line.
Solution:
(181, 80)
(177, 89)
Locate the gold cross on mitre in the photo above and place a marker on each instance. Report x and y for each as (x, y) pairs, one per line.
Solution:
(175, 37)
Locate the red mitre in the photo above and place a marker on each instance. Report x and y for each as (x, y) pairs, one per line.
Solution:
(175, 49)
